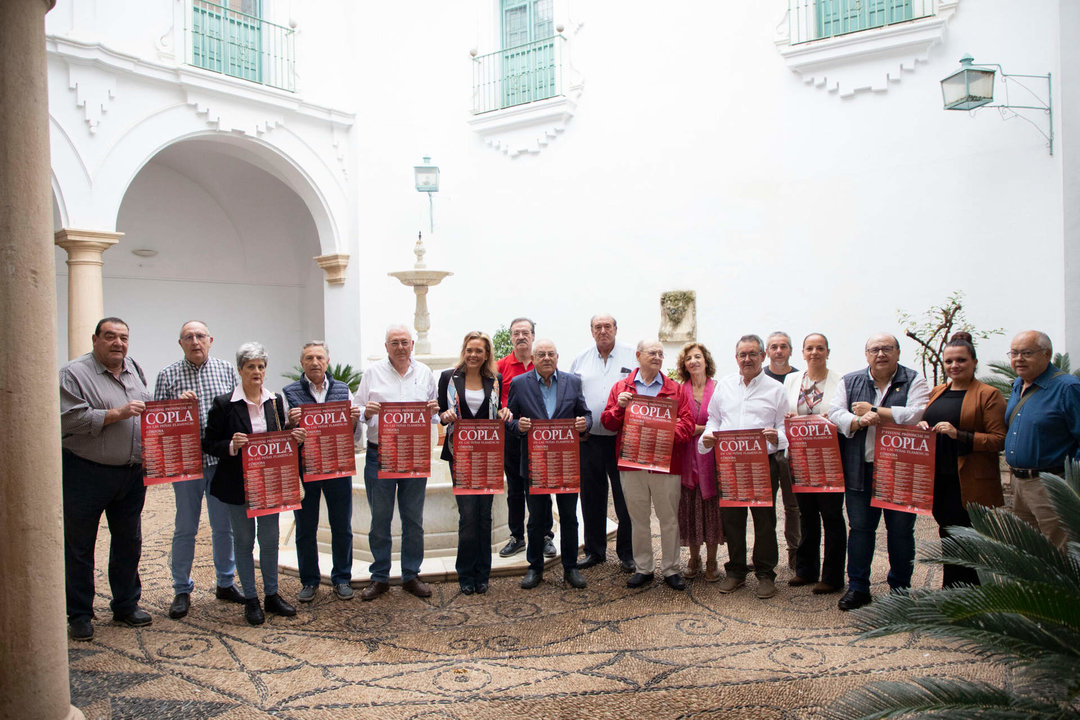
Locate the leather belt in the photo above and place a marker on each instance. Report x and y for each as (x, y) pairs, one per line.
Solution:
(1028, 474)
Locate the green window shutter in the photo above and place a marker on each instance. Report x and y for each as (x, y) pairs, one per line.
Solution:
(528, 58)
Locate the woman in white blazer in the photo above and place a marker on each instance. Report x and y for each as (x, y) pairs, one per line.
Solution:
(809, 393)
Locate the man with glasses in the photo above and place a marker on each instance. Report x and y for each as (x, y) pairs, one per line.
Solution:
(883, 391)
(647, 490)
(199, 376)
(518, 362)
(600, 367)
(1044, 429)
(398, 378)
(750, 400)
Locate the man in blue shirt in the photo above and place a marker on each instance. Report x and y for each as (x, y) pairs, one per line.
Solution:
(1044, 428)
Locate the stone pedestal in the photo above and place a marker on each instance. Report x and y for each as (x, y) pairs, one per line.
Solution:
(34, 661)
(86, 298)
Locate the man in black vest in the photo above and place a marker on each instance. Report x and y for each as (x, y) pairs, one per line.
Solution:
(315, 386)
(884, 391)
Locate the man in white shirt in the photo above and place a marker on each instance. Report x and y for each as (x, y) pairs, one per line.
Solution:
(884, 390)
(399, 378)
(600, 367)
(750, 400)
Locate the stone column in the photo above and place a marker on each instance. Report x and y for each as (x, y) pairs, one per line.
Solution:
(86, 299)
(33, 654)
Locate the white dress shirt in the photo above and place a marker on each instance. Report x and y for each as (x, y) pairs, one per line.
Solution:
(382, 383)
(599, 375)
(910, 414)
(735, 405)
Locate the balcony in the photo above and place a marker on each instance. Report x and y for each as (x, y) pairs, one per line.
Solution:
(810, 20)
(519, 75)
(242, 46)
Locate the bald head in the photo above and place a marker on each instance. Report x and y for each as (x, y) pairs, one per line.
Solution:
(195, 341)
(1030, 353)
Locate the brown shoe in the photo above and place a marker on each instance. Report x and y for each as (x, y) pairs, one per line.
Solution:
(374, 590)
(693, 567)
(417, 587)
(766, 588)
(823, 588)
(712, 572)
(798, 581)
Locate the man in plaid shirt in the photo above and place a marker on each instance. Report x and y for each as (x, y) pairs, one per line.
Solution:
(201, 377)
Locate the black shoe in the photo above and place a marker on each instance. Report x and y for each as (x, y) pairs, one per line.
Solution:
(277, 605)
(253, 613)
(639, 579)
(135, 618)
(531, 579)
(81, 629)
(627, 566)
(675, 582)
(549, 548)
(230, 594)
(589, 560)
(574, 578)
(467, 588)
(180, 605)
(481, 588)
(854, 599)
(417, 587)
(512, 547)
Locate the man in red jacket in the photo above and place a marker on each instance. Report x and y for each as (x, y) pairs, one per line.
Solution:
(647, 490)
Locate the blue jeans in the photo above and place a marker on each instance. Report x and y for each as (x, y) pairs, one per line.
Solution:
(410, 501)
(338, 493)
(474, 539)
(900, 539)
(189, 495)
(244, 531)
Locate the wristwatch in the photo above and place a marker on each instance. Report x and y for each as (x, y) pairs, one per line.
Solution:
(873, 408)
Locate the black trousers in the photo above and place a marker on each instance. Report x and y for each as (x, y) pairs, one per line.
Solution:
(766, 553)
(540, 524)
(817, 511)
(517, 488)
(599, 467)
(949, 510)
(91, 489)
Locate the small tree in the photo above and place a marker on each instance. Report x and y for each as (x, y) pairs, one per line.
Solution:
(932, 331)
(501, 341)
(342, 373)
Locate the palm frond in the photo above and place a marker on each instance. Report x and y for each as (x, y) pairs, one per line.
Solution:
(931, 697)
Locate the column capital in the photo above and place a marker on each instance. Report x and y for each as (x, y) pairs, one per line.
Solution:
(85, 247)
(334, 266)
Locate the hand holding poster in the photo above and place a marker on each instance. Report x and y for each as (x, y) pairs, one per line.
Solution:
(172, 450)
(478, 457)
(742, 468)
(814, 454)
(648, 433)
(554, 457)
(904, 469)
(271, 473)
(404, 440)
(328, 449)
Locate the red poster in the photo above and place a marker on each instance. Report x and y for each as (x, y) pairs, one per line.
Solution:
(271, 473)
(554, 457)
(648, 433)
(478, 457)
(904, 469)
(172, 450)
(328, 449)
(404, 440)
(814, 454)
(742, 468)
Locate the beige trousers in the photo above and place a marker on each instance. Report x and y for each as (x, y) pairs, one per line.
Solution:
(645, 492)
(1032, 505)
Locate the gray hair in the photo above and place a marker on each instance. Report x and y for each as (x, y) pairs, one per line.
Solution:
(1043, 341)
(193, 321)
(755, 339)
(250, 351)
(595, 317)
(896, 340)
(315, 343)
(532, 325)
(642, 344)
(399, 327)
(780, 333)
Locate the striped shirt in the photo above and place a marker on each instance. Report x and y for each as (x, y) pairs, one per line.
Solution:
(214, 377)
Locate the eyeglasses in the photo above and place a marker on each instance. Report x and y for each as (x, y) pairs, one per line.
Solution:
(1025, 354)
(200, 337)
(747, 355)
(653, 353)
(399, 343)
(880, 350)
(545, 354)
